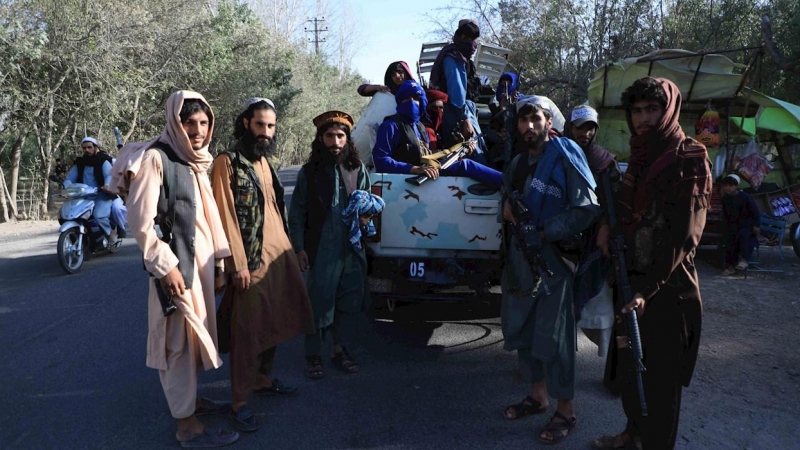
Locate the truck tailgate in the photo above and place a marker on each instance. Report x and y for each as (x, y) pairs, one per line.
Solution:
(452, 213)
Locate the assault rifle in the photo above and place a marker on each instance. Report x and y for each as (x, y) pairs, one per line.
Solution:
(450, 157)
(630, 324)
(527, 237)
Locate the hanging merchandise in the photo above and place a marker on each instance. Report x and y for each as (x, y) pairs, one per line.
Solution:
(751, 165)
(707, 127)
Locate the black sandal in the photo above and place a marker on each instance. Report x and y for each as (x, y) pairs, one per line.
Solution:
(527, 407)
(556, 428)
(344, 361)
(314, 367)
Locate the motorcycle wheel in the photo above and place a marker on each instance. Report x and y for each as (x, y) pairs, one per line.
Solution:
(794, 235)
(68, 256)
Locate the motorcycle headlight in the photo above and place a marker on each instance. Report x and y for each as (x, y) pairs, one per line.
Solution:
(86, 215)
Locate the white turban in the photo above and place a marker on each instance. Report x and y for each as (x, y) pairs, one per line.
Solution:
(544, 103)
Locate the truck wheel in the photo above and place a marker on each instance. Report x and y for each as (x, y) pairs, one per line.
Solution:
(794, 235)
(70, 258)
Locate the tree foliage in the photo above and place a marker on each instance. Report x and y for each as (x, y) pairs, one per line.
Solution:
(70, 68)
(558, 44)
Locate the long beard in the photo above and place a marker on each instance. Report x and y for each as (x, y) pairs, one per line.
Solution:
(253, 149)
(329, 159)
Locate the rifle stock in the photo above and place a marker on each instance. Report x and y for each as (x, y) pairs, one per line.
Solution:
(631, 337)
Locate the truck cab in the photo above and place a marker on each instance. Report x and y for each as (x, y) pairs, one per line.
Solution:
(443, 233)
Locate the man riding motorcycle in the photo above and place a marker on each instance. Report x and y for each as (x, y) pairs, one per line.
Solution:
(94, 169)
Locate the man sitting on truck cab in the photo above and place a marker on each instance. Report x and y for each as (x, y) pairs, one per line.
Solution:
(402, 142)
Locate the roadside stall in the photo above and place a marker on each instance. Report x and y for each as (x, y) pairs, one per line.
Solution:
(745, 131)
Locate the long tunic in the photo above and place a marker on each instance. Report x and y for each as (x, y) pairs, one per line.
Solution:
(337, 279)
(530, 318)
(276, 308)
(196, 306)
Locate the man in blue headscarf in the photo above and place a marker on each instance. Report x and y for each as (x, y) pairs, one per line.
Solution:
(402, 142)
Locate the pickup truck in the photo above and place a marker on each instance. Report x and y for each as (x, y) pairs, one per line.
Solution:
(443, 233)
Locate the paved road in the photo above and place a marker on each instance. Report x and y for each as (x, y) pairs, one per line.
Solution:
(433, 375)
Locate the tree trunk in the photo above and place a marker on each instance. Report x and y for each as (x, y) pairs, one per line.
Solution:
(16, 155)
(3, 205)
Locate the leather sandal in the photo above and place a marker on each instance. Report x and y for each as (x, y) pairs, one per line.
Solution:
(527, 407)
(623, 441)
(559, 429)
(314, 369)
(344, 361)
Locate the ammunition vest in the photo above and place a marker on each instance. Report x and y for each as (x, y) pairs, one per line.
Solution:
(248, 199)
(410, 148)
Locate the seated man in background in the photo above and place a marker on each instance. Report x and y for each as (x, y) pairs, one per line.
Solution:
(742, 219)
(396, 74)
(403, 142)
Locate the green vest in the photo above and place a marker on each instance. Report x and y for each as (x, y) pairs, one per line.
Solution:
(248, 200)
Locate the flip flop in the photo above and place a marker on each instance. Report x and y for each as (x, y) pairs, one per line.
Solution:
(244, 420)
(211, 437)
(278, 389)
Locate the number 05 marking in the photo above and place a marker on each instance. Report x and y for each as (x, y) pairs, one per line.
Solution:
(417, 270)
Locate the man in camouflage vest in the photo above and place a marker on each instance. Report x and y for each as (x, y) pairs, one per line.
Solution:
(266, 302)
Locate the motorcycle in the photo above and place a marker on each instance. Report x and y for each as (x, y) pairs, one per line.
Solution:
(80, 235)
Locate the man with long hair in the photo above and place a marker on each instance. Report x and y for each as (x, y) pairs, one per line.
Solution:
(266, 303)
(662, 205)
(337, 270)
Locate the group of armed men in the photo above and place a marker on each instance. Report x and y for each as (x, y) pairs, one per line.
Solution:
(283, 274)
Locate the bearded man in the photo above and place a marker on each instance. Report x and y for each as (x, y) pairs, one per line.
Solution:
(266, 303)
(662, 204)
(557, 188)
(337, 270)
(93, 169)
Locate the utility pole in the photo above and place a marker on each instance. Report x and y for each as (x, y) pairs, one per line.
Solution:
(317, 31)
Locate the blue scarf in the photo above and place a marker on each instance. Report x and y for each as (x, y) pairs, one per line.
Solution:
(410, 112)
(360, 203)
(511, 88)
(548, 186)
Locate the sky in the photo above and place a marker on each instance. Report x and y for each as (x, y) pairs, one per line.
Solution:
(394, 31)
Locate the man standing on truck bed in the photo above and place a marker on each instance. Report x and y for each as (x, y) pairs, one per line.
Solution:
(454, 73)
(337, 272)
(557, 188)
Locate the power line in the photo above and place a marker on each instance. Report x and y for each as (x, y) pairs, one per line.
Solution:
(317, 31)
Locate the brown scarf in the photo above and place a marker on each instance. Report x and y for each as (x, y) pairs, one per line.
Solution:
(657, 162)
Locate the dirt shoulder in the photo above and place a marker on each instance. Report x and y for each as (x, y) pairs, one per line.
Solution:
(26, 229)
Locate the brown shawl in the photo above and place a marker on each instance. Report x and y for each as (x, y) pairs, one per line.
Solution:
(655, 163)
